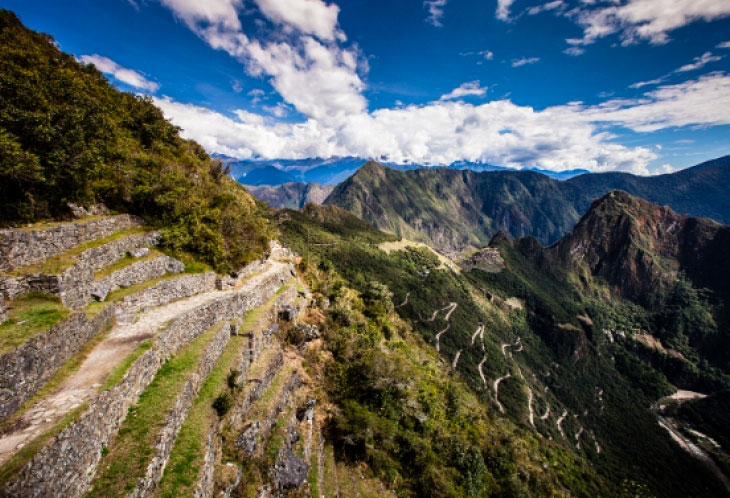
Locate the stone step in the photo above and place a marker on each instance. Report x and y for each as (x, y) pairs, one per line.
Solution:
(61, 467)
(26, 246)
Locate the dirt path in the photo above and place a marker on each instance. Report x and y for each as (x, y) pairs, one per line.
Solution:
(577, 437)
(83, 384)
(479, 333)
(496, 390)
(529, 397)
(447, 317)
(545, 415)
(456, 359)
(438, 336)
(560, 422)
(405, 301)
(481, 372)
(452, 306)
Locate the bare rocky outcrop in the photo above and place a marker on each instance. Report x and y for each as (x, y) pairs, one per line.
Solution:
(22, 247)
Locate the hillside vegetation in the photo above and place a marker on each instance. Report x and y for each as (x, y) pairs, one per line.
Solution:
(66, 135)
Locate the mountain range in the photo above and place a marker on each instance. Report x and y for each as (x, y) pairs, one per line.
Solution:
(452, 210)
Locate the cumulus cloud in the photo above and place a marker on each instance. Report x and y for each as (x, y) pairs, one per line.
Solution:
(471, 88)
(312, 17)
(637, 20)
(524, 61)
(435, 11)
(119, 73)
(320, 78)
(503, 8)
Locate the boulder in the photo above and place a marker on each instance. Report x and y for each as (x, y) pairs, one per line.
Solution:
(246, 441)
(140, 252)
(175, 266)
(100, 290)
(290, 471)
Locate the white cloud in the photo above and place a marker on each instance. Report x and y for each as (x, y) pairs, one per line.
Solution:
(487, 54)
(279, 110)
(524, 61)
(128, 76)
(556, 4)
(471, 88)
(651, 20)
(640, 84)
(312, 17)
(701, 102)
(503, 7)
(574, 51)
(699, 62)
(220, 13)
(725, 44)
(435, 11)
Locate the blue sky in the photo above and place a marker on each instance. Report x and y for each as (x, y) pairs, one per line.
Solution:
(635, 85)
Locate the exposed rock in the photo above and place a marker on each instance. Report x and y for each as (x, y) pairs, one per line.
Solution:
(93, 210)
(100, 290)
(305, 332)
(225, 283)
(3, 310)
(290, 471)
(306, 412)
(246, 441)
(140, 253)
(175, 265)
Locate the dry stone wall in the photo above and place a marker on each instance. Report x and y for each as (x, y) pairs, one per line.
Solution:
(134, 274)
(163, 293)
(22, 247)
(73, 286)
(27, 368)
(3, 310)
(147, 485)
(65, 466)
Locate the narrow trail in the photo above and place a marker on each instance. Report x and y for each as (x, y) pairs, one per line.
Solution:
(529, 397)
(451, 305)
(577, 437)
(405, 301)
(496, 390)
(456, 359)
(479, 333)
(83, 384)
(600, 399)
(560, 422)
(438, 337)
(481, 372)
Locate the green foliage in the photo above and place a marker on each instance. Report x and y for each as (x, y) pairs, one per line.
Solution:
(66, 135)
(223, 403)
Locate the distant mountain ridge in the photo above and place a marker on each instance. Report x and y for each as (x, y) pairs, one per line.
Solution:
(291, 195)
(452, 210)
(331, 171)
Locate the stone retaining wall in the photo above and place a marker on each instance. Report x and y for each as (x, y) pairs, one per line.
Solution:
(28, 367)
(73, 285)
(163, 293)
(66, 465)
(22, 247)
(147, 485)
(135, 273)
(3, 310)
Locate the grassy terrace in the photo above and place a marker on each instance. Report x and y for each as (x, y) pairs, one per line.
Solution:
(66, 260)
(28, 316)
(127, 457)
(186, 459)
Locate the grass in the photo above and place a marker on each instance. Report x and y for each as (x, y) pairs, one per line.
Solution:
(65, 371)
(30, 315)
(64, 261)
(131, 451)
(124, 262)
(20, 458)
(117, 374)
(186, 459)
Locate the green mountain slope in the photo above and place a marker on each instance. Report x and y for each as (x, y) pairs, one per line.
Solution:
(543, 341)
(291, 195)
(66, 135)
(452, 210)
